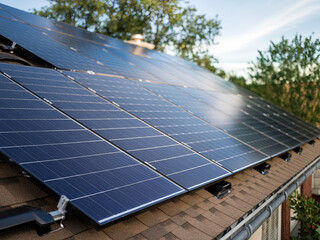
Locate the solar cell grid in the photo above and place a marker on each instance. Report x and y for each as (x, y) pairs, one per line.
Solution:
(159, 74)
(256, 114)
(219, 118)
(140, 140)
(49, 50)
(103, 55)
(173, 121)
(98, 178)
(115, 146)
(285, 117)
(236, 109)
(46, 23)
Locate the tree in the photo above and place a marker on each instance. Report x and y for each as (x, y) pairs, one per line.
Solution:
(307, 212)
(168, 24)
(288, 74)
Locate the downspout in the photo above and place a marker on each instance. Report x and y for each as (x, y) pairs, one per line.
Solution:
(257, 217)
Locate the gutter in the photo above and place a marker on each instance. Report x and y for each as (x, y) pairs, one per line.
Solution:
(251, 223)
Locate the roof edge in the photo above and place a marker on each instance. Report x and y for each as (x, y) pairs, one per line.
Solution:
(249, 225)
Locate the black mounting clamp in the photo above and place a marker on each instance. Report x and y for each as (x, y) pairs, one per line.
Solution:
(26, 214)
(263, 168)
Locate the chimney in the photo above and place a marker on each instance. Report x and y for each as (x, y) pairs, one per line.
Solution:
(137, 39)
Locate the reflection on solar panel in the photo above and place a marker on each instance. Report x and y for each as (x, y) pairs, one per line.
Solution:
(115, 145)
(178, 124)
(170, 158)
(50, 50)
(73, 161)
(223, 120)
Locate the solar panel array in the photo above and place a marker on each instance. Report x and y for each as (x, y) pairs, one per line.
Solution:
(128, 127)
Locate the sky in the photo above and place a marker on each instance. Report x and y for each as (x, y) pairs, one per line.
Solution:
(247, 25)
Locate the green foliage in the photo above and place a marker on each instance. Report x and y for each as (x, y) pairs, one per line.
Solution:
(83, 14)
(288, 74)
(168, 24)
(239, 80)
(307, 212)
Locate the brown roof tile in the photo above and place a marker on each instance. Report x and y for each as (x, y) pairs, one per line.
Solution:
(191, 199)
(230, 210)
(18, 190)
(7, 171)
(125, 229)
(219, 218)
(194, 211)
(206, 226)
(187, 231)
(160, 230)
(91, 234)
(169, 236)
(152, 217)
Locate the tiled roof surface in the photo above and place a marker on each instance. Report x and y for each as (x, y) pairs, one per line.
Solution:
(198, 215)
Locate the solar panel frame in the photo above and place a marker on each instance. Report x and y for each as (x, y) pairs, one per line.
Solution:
(132, 87)
(218, 119)
(35, 143)
(50, 51)
(260, 122)
(145, 143)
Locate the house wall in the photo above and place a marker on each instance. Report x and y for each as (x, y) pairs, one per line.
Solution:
(284, 223)
(316, 182)
(257, 235)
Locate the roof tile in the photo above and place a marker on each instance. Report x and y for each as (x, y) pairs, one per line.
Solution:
(91, 234)
(159, 230)
(125, 229)
(187, 231)
(18, 190)
(152, 217)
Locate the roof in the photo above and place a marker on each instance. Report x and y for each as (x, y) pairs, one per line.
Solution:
(131, 138)
(198, 215)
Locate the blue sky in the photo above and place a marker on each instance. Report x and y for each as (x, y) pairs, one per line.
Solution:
(247, 25)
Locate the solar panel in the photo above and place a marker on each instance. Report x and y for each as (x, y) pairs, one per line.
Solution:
(47, 48)
(259, 115)
(45, 23)
(5, 14)
(102, 54)
(229, 104)
(220, 119)
(98, 178)
(167, 156)
(286, 118)
(115, 145)
(178, 124)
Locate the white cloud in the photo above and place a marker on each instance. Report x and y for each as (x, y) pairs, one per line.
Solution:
(276, 20)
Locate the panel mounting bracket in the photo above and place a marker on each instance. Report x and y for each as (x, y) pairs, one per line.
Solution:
(312, 143)
(220, 189)
(12, 47)
(286, 156)
(298, 150)
(263, 168)
(60, 213)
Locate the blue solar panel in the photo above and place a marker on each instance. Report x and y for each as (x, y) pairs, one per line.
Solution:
(259, 115)
(115, 145)
(230, 103)
(170, 158)
(178, 124)
(284, 117)
(47, 48)
(5, 14)
(98, 178)
(104, 55)
(224, 120)
(45, 23)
